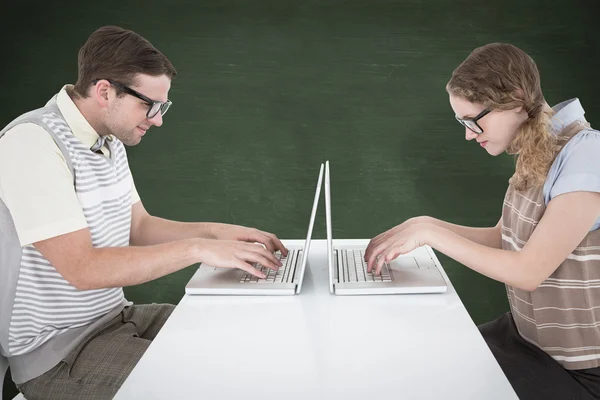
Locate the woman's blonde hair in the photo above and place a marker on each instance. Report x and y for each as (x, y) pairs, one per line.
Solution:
(501, 76)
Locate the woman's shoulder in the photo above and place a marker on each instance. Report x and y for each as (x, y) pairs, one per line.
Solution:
(577, 166)
(588, 133)
(584, 144)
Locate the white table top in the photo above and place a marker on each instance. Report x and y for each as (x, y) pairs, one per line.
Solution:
(321, 346)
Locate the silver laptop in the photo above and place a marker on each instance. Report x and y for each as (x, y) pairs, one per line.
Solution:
(286, 281)
(415, 272)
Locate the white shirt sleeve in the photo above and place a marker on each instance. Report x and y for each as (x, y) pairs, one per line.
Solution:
(135, 197)
(37, 186)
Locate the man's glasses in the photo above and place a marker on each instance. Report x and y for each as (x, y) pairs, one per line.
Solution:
(154, 105)
(471, 123)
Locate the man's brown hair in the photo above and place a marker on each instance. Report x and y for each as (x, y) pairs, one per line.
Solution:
(119, 54)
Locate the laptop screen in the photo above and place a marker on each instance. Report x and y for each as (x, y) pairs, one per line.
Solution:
(310, 229)
(328, 223)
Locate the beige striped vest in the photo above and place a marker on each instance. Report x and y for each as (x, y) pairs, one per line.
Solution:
(561, 316)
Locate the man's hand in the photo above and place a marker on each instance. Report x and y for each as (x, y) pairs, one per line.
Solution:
(251, 235)
(236, 254)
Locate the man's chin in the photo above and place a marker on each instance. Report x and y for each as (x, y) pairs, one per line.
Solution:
(133, 142)
(130, 140)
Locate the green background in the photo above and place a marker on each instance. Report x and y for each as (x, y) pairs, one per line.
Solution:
(267, 90)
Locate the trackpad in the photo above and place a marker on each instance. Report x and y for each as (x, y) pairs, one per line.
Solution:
(404, 263)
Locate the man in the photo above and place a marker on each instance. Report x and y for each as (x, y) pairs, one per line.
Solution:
(73, 230)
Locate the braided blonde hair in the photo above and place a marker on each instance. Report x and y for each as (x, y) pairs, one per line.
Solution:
(501, 76)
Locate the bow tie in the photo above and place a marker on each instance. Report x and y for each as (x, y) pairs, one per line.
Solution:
(99, 143)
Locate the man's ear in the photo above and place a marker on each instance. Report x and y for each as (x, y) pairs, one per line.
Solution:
(100, 92)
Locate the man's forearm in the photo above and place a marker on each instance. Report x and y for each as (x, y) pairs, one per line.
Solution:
(155, 230)
(131, 265)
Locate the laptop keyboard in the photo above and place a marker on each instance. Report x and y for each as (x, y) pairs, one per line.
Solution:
(353, 268)
(285, 274)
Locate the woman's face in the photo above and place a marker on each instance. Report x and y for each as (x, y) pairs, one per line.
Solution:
(499, 126)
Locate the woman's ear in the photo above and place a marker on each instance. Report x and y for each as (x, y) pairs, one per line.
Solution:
(519, 94)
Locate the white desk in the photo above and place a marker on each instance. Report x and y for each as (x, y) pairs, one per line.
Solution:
(318, 346)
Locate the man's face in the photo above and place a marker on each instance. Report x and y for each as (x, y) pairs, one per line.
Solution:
(125, 117)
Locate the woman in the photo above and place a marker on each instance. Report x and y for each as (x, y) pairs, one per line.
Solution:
(546, 246)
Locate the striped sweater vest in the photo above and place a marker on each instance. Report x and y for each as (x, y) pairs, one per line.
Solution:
(562, 315)
(36, 302)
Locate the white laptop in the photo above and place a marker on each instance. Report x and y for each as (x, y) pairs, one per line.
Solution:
(415, 272)
(286, 281)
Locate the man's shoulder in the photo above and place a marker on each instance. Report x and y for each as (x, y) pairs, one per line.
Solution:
(27, 134)
(27, 145)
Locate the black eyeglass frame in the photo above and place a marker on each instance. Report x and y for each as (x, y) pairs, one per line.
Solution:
(163, 106)
(465, 121)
